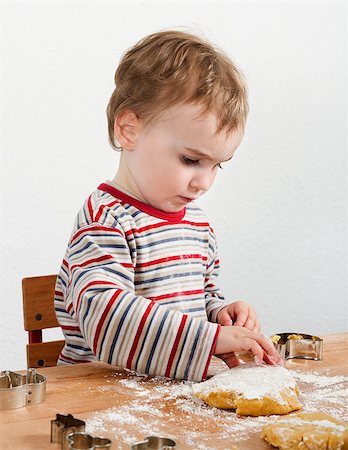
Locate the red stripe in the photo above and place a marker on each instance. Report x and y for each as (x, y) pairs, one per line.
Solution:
(62, 356)
(90, 261)
(65, 263)
(100, 211)
(170, 216)
(175, 346)
(167, 224)
(70, 328)
(176, 294)
(100, 259)
(211, 352)
(92, 283)
(95, 228)
(171, 258)
(137, 336)
(58, 293)
(102, 319)
(90, 209)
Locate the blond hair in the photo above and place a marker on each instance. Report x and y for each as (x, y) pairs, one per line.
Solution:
(174, 67)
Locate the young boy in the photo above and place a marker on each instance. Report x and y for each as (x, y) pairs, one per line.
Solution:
(137, 287)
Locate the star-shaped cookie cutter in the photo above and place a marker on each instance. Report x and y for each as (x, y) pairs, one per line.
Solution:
(62, 426)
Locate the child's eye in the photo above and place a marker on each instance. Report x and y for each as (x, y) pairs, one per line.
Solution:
(189, 161)
(219, 166)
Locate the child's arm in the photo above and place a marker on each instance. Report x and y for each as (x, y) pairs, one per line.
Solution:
(124, 329)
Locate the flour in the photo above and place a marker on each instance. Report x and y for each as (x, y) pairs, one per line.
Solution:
(250, 382)
(155, 398)
(320, 423)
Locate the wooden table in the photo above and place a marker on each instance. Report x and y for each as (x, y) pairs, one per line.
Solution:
(127, 408)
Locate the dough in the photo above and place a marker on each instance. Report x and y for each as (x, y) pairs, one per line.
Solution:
(251, 391)
(314, 431)
(275, 338)
(295, 337)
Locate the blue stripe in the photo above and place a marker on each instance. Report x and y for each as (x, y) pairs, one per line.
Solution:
(185, 227)
(154, 312)
(86, 272)
(163, 241)
(61, 280)
(163, 265)
(185, 311)
(121, 322)
(159, 331)
(99, 235)
(182, 348)
(181, 301)
(78, 347)
(84, 213)
(109, 322)
(167, 277)
(193, 349)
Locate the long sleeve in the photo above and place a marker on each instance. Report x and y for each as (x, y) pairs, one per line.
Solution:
(214, 299)
(125, 329)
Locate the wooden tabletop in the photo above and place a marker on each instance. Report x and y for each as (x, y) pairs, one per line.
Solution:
(127, 407)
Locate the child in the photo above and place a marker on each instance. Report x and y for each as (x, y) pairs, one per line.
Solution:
(137, 287)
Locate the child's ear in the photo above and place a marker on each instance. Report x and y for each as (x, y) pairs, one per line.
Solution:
(126, 129)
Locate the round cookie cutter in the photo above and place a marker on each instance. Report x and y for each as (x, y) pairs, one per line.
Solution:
(299, 346)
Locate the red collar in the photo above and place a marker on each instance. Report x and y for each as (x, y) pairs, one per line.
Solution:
(169, 216)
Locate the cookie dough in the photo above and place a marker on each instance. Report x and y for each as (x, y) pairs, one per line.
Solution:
(295, 337)
(314, 431)
(251, 391)
(275, 338)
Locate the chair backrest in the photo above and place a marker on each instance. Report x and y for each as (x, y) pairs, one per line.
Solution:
(39, 314)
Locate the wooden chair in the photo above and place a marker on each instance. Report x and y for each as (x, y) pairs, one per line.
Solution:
(39, 314)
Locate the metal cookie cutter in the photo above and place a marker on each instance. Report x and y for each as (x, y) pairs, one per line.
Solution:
(298, 346)
(62, 426)
(18, 390)
(84, 441)
(155, 443)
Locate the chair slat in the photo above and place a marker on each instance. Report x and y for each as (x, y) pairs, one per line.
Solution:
(44, 354)
(38, 295)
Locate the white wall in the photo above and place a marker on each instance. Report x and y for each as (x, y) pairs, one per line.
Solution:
(279, 209)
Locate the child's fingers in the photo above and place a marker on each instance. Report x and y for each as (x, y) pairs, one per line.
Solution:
(224, 317)
(257, 351)
(271, 356)
(230, 359)
(252, 324)
(242, 317)
(263, 349)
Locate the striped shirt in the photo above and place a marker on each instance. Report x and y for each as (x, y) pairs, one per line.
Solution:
(136, 288)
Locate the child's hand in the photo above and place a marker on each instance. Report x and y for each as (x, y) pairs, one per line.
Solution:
(242, 314)
(239, 339)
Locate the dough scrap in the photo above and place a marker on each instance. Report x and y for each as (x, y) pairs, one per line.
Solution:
(275, 338)
(314, 431)
(251, 391)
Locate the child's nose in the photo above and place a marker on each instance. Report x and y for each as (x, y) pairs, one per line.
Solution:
(202, 181)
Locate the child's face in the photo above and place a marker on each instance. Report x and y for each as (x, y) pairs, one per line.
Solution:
(175, 159)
